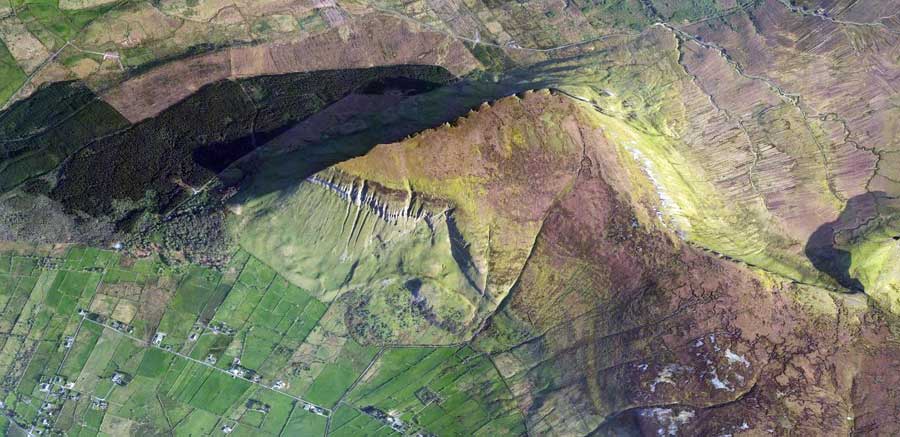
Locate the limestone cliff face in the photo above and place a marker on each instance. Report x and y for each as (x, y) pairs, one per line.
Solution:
(455, 210)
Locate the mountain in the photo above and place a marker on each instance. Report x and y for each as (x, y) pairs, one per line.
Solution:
(630, 217)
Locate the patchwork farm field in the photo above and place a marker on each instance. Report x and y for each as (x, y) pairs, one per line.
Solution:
(94, 343)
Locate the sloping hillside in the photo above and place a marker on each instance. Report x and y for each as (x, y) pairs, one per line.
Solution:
(534, 222)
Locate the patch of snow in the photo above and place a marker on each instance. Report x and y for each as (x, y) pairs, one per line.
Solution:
(735, 358)
(698, 343)
(669, 421)
(643, 367)
(667, 203)
(718, 383)
(665, 376)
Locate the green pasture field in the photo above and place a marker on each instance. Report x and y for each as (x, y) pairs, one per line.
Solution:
(11, 75)
(467, 394)
(242, 313)
(169, 388)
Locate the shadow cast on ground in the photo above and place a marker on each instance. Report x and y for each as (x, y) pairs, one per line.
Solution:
(821, 248)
